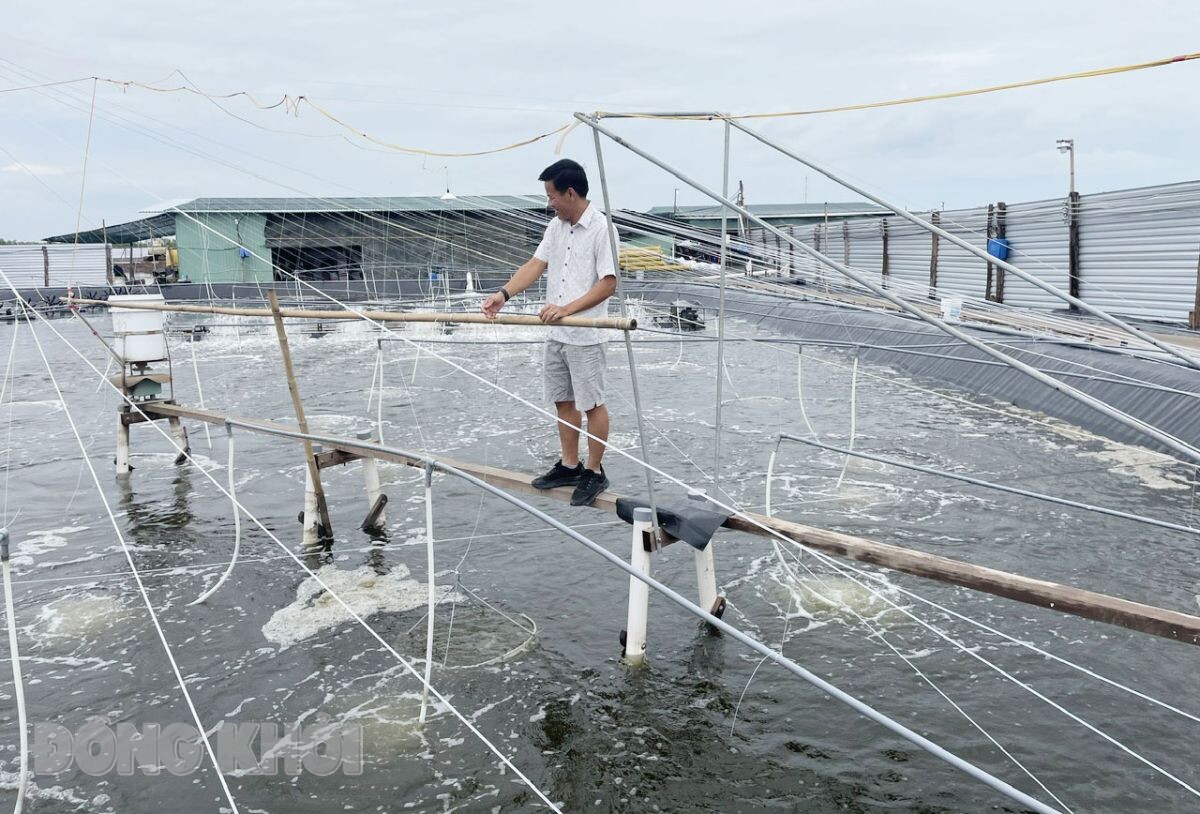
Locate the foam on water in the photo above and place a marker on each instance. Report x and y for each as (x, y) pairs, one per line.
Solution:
(366, 592)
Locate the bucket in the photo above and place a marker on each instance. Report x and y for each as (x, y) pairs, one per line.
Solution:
(138, 335)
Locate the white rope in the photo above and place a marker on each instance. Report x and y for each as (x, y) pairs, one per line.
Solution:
(800, 391)
(15, 658)
(853, 410)
(237, 523)
(972, 652)
(125, 546)
(429, 579)
(199, 388)
(878, 632)
(311, 574)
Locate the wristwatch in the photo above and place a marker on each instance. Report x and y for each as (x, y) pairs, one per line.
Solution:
(504, 291)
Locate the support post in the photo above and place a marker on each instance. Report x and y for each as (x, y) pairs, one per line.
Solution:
(883, 268)
(310, 534)
(991, 269)
(1073, 243)
(301, 421)
(45, 267)
(936, 219)
(179, 433)
(1194, 316)
(1001, 232)
(716, 476)
(122, 460)
(637, 396)
(375, 517)
(639, 592)
(706, 580)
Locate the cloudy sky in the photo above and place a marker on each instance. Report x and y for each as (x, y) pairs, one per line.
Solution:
(461, 76)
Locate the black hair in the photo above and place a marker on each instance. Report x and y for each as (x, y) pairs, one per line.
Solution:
(566, 174)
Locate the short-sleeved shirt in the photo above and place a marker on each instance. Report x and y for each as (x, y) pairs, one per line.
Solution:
(576, 257)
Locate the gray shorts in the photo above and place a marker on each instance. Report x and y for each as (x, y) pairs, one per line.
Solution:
(574, 373)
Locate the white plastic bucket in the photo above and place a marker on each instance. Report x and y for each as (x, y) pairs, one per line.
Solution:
(952, 310)
(138, 335)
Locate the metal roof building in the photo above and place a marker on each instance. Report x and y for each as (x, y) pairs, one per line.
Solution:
(782, 214)
(248, 239)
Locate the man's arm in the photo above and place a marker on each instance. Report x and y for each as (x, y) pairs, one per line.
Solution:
(601, 291)
(524, 277)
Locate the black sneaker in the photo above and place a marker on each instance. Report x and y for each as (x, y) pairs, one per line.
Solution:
(559, 475)
(591, 484)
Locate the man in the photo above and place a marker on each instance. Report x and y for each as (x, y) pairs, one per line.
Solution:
(576, 255)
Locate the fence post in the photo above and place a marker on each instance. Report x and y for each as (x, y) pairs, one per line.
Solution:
(936, 219)
(1194, 316)
(883, 269)
(45, 267)
(991, 233)
(1001, 232)
(1073, 244)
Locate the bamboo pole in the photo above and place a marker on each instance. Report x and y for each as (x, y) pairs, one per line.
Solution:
(301, 421)
(616, 324)
(1169, 624)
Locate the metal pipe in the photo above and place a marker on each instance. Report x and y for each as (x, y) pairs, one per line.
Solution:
(1165, 439)
(721, 317)
(978, 252)
(637, 396)
(528, 320)
(1012, 490)
(754, 644)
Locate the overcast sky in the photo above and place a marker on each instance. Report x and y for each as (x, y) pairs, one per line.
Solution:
(474, 75)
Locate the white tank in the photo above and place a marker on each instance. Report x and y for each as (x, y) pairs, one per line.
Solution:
(138, 335)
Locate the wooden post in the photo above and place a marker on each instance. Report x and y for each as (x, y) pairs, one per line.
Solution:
(706, 580)
(639, 592)
(375, 519)
(846, 242)
(991, 269)
(883, 269)
(935, 218)
(301, 421)
(181, 439)
(1073, 244)
(45, 266)
(310, 523)
(122, 460)
(1194, 316)
(1001, 233)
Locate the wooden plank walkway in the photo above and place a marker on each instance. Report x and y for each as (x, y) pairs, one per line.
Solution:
(1112, 610)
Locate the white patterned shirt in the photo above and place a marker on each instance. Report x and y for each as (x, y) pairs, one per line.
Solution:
(576, 257)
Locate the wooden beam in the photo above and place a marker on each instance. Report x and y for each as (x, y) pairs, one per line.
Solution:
(293, 388)
(615, 323)
(1099, 607)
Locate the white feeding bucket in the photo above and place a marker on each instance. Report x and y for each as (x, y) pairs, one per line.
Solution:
(138, 334)
(952, 310)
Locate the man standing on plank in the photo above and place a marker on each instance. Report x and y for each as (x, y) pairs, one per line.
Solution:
(576, 256)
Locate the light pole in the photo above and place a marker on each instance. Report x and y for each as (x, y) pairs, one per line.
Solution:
(1067, 145)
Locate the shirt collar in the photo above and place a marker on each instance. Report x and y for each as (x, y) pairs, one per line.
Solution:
(588, 216)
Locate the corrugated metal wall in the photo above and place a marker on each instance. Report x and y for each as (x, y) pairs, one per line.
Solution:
(209, 242)
(1038, 235)
(1139, 249)
(69, 265)
(960, 273)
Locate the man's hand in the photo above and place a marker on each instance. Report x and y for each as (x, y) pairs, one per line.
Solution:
(493, 304)
(553, 313)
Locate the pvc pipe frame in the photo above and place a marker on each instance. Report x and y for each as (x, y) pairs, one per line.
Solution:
(978, 252)
(528, 320)
(1163, 438)
(749, 641)
(1012, 490)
